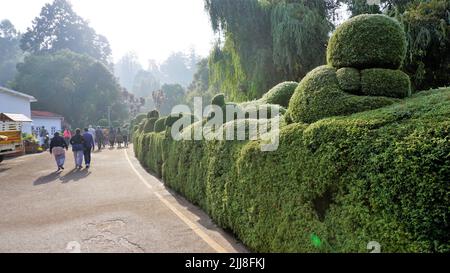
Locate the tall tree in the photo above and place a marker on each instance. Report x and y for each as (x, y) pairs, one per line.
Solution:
(73, 85)
(178, 69)
(59, 27)
(266, 42)
(127, 68)
(10, 53)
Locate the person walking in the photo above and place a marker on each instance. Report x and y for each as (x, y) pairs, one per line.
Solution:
(89, 146)
(119, 138)
(125, 137)
(77, 142)
(58, 148)
(112, 137)
(99, 137)
(91, 131)
(67, 136)
(42, 135)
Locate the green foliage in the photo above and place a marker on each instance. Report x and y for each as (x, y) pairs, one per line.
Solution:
(149, 125)
(349, 80)
(10, 53)
(385, 82)
(280, 94)
(58, 27)
(368, 41)
(266, 42)
(72, 85)
(173, 94)
(103, 122)
(153, 114)
(318, 96)
(139, 118)
(427, 24)
(332, 186)
(218, 100)
(160, 125)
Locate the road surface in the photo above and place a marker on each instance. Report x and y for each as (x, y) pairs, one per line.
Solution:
(115, 206)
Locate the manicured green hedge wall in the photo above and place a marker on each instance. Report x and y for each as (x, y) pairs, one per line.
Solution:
(367, 41)
(379, 175)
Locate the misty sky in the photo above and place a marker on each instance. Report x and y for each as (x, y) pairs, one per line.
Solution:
(151, 28)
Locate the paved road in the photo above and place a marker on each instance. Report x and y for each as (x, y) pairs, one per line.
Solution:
(116, 206)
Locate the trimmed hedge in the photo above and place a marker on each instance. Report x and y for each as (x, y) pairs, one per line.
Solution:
(149, 125)
(160, 125)
(218, 100)
(280, 94)
(318, 96)
(349, 80)
(366, 41)
(153, 114)
(385, 82)
(380, 175)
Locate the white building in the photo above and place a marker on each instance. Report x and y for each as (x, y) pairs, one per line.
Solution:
(16, 103)
(52, 122)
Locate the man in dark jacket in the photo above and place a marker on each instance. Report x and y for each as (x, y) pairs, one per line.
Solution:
(57, 146)
(77, 142)
(89, 146)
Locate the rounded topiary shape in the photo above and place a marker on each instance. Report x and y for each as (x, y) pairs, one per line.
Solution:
(153, 114)
(218, 100)
(139, 118)
(385, 82)
(318, 96)
(280, 94)
(349, 79)
(160, 125)
(150, 125)
(367, 41)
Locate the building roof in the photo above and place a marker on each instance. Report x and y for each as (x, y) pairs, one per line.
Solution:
(45, 114)
(17, 94)
(14, 117)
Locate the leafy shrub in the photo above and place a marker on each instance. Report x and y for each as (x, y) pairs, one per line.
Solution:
(385, 82)
(280, 94)
(366, 41)
(149, 125)
(349, 80)
(153, 114)
(139, 118)
(160, 125)
(378, 175)
(318, 96)
(218, 100)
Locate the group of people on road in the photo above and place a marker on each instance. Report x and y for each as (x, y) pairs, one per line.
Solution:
(83, 144)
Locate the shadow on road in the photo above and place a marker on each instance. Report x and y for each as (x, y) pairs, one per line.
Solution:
(47, 179)
(4, 169)
(75, 175)
(72, 176)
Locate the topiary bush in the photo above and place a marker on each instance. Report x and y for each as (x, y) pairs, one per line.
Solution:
(153, 114)
(368, 41)
(385, 82)
(160, 125)
(139, 118)
(380, 175)
(349, 80)
(218, 100)
(318, 96)
(149, 125)
(280, 94)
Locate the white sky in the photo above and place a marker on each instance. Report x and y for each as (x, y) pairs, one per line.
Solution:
(153, 29)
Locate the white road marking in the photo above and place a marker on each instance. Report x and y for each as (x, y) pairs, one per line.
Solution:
(193, 226)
